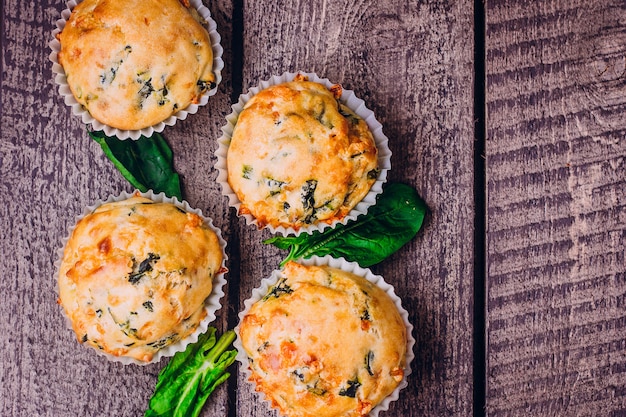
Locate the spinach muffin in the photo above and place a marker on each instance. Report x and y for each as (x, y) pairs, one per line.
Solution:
(298, 156)
(135, 275)
(324, 342)
(134, 63)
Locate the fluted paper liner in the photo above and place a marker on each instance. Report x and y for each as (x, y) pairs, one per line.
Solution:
(349, 99)
(340, 263)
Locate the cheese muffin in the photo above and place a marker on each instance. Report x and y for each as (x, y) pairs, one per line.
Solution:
(134, 63)
(135, 275)
(324, 342)
(298, 156)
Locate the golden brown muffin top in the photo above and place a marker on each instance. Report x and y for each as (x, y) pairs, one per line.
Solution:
(135, 275)
(298, 156)
(324, 342)
(134, 63)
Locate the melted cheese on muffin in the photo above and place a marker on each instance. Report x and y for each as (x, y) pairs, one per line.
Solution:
(324, 342)
(135, 275)
(298, 156)
(134, 63)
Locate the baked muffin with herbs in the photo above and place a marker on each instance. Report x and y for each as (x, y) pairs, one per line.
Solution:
(324, 342)
(298, 156)
(134, 63)
(135, 275)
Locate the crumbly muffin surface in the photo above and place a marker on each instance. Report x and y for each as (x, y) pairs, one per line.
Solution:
(135, 275)
(134, 63)
(324, 342)
(298, 156)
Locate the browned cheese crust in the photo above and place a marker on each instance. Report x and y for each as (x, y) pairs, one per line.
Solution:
(298, 156)
(134, 63)
(324, 342)
(135, 275)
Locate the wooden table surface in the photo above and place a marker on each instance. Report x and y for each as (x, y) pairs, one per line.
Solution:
(508, 117)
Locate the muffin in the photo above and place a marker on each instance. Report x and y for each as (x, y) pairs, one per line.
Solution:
(323, 341)
(133, 64)
(299, 156)
(135, 275)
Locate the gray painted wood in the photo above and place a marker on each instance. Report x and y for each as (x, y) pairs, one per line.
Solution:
(555, 238)
(556, 148)
(50, 170)
(412, 64)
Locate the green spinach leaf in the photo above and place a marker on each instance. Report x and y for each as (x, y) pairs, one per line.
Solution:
(191, 376)
(394, 220)
(146, 163)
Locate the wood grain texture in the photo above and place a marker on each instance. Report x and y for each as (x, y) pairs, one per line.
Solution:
(412, 64)
(556, 207)
(50, 170)
(556, 166)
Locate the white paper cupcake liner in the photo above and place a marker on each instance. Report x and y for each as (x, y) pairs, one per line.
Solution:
(349, 99)
(340, 263)
(211, 305)
(80, 111)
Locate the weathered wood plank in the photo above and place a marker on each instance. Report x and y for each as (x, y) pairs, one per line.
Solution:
(412, 64)
(50, 170)
(556, 172)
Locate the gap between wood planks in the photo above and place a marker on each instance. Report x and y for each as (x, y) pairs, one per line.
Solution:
(233, 290)
(480, 215)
